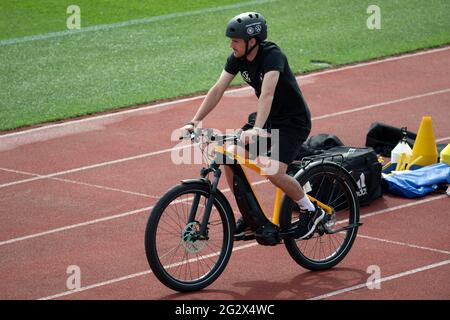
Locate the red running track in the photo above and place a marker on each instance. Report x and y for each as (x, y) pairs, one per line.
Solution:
(79, 193)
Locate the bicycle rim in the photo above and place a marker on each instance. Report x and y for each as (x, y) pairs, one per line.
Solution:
(177, 258)
(323, 250)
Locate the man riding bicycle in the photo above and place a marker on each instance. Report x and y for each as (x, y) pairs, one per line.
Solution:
(281, 106)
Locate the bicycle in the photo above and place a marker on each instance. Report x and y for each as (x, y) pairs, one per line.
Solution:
(190, 232)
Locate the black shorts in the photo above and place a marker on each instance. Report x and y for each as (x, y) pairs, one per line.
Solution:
(282, 147)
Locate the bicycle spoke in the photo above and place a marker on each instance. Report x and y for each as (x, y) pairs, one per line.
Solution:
(182, 255)
(324, 249)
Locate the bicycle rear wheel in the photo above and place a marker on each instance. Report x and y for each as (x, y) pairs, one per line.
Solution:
(179, 258)
(331, 185)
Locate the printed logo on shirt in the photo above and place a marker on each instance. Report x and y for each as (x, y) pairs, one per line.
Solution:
(246, 76)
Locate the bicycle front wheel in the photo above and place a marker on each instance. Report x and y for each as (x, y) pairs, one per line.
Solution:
(180, 258)
(332, 239)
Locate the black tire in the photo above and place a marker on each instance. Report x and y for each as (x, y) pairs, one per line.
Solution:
(333, 186)
(202, 261)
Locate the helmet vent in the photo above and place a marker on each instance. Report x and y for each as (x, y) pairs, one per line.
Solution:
(257, 16)
(239, 20)
(251, 16)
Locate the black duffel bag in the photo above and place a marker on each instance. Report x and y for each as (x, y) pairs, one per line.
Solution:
(363, 165)
(383, 138)
(318, 144)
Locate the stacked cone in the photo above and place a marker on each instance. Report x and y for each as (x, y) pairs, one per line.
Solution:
(445, 155)
(424, 152)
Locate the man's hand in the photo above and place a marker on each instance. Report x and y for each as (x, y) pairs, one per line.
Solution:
(249, 136)
(188, 128)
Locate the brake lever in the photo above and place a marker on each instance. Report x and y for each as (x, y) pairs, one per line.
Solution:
(189, 135)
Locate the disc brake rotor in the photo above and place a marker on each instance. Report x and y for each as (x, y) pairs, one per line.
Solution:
(190, 238)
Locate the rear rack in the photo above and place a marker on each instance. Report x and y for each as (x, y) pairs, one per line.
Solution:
(337, 158)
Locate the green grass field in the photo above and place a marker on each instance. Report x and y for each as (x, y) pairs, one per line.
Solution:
(172, 55)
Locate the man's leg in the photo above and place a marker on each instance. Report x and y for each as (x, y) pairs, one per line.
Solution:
(311, 215)
(276, 171)
(285, 182)
(284, 147)
(228, 171)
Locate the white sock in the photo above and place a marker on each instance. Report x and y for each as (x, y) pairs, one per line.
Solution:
(305, 204)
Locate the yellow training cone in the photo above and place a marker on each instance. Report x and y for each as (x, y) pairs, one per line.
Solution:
(425, 144)
(445, 154)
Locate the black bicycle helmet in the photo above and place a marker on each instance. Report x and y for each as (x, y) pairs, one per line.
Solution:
(247, 25)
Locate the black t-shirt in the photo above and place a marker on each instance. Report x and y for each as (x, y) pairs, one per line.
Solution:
(289, 110)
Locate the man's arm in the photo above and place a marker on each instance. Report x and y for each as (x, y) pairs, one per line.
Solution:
(265, 99)
(213, 96)
(264, 105)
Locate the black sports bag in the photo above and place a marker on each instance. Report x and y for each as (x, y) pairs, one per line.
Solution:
(383, 138)
(317, 144)
(363, 165)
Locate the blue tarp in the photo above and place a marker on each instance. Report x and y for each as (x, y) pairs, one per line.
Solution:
(417, 183)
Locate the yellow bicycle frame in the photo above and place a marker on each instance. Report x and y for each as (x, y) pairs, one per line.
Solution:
(279, 193)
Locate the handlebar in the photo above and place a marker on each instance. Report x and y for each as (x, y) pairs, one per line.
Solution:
(210, 136)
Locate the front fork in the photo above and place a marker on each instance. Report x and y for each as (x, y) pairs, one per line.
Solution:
(212, 193)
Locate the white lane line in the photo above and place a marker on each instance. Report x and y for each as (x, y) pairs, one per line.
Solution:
(73, 226)
(128, 277)
(84, 184)
(153, 153)
(381, 104)
(251, 245)
(254, 244)
(442, 139)
(231, 91)
(98, 165)
(127, 23)
(403, 244)
(96, 285)
(375, 62)
(90, 222)
(107, 188)
(125, 214)
(393, 277)
(403, 206)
